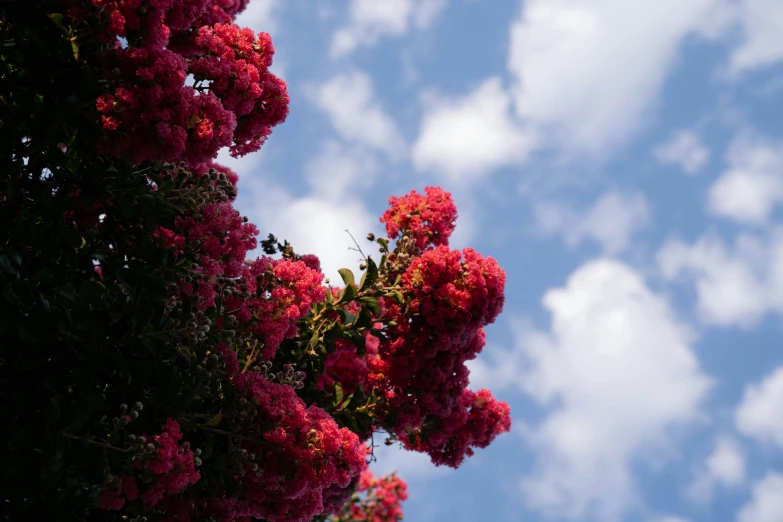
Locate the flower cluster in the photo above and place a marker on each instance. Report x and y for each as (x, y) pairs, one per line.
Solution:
(221, 238)
(429, 219)
(235, 63)
(164, 467)
(345, 367)
(221, 11)
(450, 296)
(150, 113)
(473, 424)
(292, 453)
(382, 499)
(279, 293)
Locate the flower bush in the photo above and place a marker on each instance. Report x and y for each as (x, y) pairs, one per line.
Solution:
(151, 370)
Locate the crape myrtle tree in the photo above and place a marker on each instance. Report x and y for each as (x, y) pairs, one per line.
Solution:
(149, 370)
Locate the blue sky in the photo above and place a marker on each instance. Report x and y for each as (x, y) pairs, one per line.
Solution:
(623, 160)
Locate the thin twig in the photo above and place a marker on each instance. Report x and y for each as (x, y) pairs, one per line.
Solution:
(251, 359)
(358, 248)
(105, 445)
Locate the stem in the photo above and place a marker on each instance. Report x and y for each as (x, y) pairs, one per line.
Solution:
(251, 359)
(104, 445)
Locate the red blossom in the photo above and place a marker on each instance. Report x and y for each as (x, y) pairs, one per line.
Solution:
(166, 471)
(429, 219)
(382, 500)
(298, 453)
(475, 424)
(282, 292)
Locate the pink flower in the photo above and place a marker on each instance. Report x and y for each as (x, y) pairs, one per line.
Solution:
(428, 219)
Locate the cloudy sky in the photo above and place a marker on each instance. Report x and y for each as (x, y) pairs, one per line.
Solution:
(623, 160)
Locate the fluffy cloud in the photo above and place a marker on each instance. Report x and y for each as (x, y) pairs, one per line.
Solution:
(611, 221)
(683, 148)
(370, 20)
(618, 371)
(766, 503)
(758, 415)
(725, 466)
(736, 285)
(315, 225)
(260, 15)
(752, 185)
(349, 101)
(338, 170)
(587, 71)
(410, 465)
(762, 24)
(316, 222)
(466, 137)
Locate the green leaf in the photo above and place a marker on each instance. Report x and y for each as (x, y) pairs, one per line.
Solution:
(347, 276)
(68, 291)
(338, 394)
(5, 265)
(349, 293)
(358, 398)
(127, 277)
(345, 402)
(26, 333)
(372, 304)
(160, 336)
(357, 339)
(43, 277)
(214, 421)
(397, 295)
(126, 207)
(346, 317)
(329, 296)
(383, 242)
(14, 255)
(370, 275)
(72, 237)
(364, 319)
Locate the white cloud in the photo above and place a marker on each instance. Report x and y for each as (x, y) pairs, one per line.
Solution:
(260, 15)
(618, 371)
(370, 20)
(338, 170)
(683, 148)
(465, 138)
(766, 503)
(349, 101)
(588, 71)
(611, 221)
(752, 185)
(758, 415)
(409, 465)
(762, 25)
(314, 223)
(735, 285)
(725, 466)
(671, 519)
